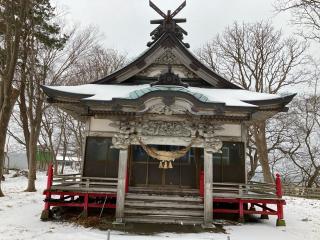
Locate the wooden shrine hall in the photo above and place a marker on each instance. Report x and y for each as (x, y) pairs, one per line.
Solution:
(165, 139)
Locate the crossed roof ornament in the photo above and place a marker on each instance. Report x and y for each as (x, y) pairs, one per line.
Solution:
(168, 23)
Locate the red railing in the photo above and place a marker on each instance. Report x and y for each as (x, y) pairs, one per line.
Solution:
(254, 193)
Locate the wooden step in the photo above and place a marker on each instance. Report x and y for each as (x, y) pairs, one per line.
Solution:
(167, 191)
(165, 220)
(163, 204)
(163, 212)
(162, 208)
(162, 198)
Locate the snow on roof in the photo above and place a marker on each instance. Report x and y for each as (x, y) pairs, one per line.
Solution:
(231, 97)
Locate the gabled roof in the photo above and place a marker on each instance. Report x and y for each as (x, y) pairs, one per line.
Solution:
(168, 40)
(137, 88)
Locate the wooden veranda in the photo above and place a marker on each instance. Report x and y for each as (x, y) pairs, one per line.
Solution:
(73, 190)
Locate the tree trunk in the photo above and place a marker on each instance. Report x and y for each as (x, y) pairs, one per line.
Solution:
(261, 143)
(32, 163)
(5, 115)
(63, 164)
(64, 147)
(313, 178)
(64, 154)
(56, 166)
(6, 168)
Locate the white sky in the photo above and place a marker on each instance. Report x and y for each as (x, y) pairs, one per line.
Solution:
(126, 27)
(125, 24)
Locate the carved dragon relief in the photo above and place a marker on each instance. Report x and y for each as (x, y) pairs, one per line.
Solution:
(124, 138)
(162, 128)
(203, 133)
(162, 108)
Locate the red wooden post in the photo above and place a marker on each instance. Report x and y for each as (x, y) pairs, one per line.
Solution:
(241, 213)
(46, 212)
(280, 220)
(201, 183)
(127, 182)
(85, 205)
(49, 185)
(278, 186)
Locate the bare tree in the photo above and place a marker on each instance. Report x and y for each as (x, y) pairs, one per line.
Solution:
(258, 58)
(61, 132)
(47, 66)
(12, 23)
(305, 14)
(99, 63)
(301, 135)
(50, 134)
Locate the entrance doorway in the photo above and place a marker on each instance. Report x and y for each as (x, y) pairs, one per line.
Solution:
(145, 171)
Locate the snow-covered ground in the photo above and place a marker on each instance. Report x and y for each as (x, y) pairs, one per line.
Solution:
(20, 219)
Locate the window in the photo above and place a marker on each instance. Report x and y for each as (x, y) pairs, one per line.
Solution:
(101, 160)
(232, 154)
(97, 149)
(223, 157)
(229, 165)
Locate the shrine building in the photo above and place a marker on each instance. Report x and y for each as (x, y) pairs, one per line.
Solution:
(165, 139)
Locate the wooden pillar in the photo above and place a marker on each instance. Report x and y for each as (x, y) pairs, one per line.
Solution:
(208, 196)
(244, 136)
(121, 189)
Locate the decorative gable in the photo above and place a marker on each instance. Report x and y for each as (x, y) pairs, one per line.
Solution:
(168, 57)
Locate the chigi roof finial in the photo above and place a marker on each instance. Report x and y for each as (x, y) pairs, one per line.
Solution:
(168, 24)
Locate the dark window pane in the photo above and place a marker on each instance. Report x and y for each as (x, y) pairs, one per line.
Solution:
(229, 165)
(100, 159)
(139, 155)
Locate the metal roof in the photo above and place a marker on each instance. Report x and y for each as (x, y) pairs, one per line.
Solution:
(140, 92)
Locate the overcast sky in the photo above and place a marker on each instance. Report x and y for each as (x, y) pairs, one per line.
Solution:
(125, 24)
